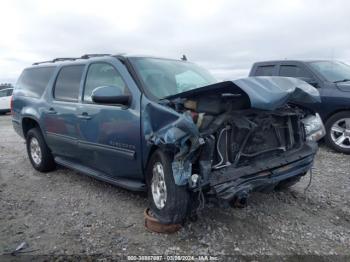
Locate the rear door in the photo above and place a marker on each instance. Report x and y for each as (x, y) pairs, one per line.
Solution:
(110, 134)
(60, 115)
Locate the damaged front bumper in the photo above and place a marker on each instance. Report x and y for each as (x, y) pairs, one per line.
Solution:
(228, 183)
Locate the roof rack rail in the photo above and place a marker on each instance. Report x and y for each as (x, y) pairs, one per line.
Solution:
(57, 60)
(87, 56)
(64, 59)
(43, 62)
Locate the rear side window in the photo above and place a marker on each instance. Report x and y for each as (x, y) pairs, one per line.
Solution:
(9, 92)
(265, 70)
(293, 71)
(68, 83)
(3, 93)
(33, 81)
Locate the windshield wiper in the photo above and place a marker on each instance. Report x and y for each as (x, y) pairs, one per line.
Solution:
(343, 80)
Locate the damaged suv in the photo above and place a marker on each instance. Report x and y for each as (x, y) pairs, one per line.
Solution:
(166, 126)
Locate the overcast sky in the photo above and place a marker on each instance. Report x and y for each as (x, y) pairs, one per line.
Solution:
(226, 37)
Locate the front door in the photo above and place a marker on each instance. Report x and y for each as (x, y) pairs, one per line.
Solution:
(109, 134)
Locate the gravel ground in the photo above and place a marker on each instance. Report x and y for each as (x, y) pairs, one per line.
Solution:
(64, 212)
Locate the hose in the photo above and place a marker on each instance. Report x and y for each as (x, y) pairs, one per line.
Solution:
(310, 180)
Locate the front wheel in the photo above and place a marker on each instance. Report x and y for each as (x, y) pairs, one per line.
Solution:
(338, 132)
(168, 201)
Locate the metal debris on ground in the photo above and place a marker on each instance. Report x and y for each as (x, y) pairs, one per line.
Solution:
(153, 224)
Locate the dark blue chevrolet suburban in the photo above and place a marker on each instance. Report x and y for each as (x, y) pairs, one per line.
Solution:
(332, 79)
(166, 126)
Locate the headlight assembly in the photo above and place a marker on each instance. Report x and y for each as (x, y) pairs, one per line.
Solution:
(314, 128)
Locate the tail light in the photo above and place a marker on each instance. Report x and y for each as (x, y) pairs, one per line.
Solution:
(11, 105)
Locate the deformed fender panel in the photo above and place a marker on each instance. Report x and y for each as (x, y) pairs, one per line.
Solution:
(164, 126)
(173, 132)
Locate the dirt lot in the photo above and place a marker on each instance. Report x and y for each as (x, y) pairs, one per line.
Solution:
(63, 212)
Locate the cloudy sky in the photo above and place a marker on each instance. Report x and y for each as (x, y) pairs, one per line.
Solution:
(224, 36)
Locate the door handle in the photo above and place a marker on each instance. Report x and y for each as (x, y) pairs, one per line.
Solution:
(51, 111)
(84, 115)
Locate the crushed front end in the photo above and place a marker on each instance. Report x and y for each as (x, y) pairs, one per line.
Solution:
(228, 140)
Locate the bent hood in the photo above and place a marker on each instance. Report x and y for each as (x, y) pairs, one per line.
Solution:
(266, 93)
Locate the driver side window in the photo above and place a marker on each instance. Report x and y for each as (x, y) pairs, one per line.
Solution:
(102, 74)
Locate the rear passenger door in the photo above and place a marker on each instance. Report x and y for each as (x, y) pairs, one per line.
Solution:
(110, 134)
(60, 116)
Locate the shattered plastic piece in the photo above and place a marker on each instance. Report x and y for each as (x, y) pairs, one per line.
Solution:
(20, 247)
(182, 172)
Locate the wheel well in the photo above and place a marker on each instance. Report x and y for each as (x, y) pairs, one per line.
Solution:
(335, 112)
(150, 153)
(27, 124)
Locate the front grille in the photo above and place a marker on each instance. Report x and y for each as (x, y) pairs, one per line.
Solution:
(254, 136)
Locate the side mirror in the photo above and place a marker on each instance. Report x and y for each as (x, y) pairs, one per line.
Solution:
(111, 95)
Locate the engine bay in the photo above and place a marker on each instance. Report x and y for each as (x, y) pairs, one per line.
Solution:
(234, 136)
(224, 126)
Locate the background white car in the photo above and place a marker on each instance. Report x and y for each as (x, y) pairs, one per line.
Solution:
(5, 100)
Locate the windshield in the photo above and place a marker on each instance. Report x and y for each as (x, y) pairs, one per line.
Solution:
(333, 71)
(165, 77)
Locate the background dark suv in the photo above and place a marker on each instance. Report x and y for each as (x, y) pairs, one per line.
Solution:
(332, 79)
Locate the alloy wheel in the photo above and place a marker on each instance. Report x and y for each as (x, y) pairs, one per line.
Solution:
(340, 133)
(159, 190)
(35, 150)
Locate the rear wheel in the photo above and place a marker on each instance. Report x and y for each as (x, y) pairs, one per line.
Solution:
(338, 132)
(168, 201)
(39, 154)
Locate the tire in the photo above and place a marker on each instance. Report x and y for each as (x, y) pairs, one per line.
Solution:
(38, 152)
(175, 207)
(287, 183)
(338, 120)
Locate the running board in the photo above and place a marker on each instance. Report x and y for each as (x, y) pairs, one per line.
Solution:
(129, 184)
